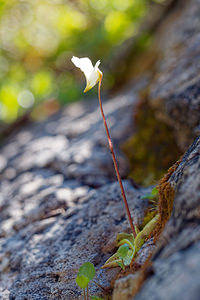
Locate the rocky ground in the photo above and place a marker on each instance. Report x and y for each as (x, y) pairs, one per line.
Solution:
(60, 204)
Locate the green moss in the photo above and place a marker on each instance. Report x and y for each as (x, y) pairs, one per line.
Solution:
(152, 150)
(148, 217)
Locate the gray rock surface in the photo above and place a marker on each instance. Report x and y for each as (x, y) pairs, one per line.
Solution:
(60, 202)
(48, 253)
(175, 90)
(176, 262)
(124, 287)
(174, 93)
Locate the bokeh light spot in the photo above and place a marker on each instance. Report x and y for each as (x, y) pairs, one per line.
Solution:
(26, 99)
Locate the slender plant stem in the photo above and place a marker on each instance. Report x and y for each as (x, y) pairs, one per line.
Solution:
(115, 162)
(84, 296)
(87, 293)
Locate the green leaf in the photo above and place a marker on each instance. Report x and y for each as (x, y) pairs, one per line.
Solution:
(82, 281)
(87, 270)
(122, 251)
(154, 191)
(151, 195)
(96, 298)
(121, 264)
(123, 235)
(127, 260)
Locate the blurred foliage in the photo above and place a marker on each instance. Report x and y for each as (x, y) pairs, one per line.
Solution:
(39, 37)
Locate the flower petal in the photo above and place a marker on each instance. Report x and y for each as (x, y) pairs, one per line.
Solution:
(92, 74)
(84, 64)
(97, 64)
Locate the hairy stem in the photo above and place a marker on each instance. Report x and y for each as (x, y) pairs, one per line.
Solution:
(115, 162)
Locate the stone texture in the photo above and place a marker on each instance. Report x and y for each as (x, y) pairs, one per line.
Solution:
(175, 89)
(125, 287)
(60, 203)
(176, 261)
(174, 94)
(48, 253)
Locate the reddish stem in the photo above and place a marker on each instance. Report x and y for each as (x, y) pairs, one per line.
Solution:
(115, 163)
(84, 295)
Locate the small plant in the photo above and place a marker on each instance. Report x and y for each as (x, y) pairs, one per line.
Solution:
(85, 274)
(124, 255)
(129, 244)
(93, 76)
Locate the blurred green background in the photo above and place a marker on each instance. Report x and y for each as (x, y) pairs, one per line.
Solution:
(38, 39)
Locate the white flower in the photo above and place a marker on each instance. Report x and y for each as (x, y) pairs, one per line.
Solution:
(92, 74)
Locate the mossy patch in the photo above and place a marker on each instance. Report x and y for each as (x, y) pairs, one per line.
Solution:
(153, 149)
(165, 201)
(150, 214)
(165, 206)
